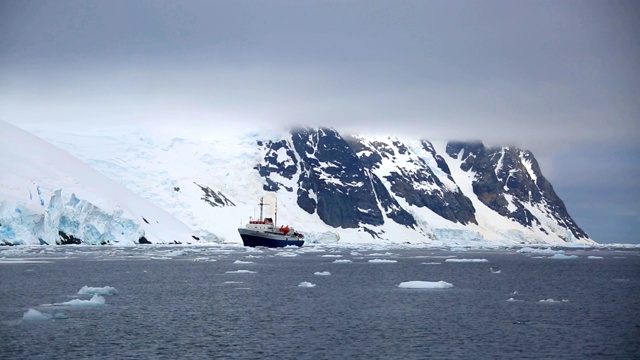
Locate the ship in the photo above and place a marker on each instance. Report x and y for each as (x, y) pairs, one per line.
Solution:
(265, 232)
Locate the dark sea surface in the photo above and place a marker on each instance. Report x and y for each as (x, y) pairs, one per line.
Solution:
(183, 303)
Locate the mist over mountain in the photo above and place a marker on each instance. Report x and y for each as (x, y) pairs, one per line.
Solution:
(332, 187)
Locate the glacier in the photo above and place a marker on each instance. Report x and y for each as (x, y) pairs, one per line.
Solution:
(49, 197)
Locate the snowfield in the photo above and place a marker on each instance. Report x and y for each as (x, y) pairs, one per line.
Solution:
(124, 185)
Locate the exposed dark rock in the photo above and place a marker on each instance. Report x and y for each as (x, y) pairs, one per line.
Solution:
(442, 164)
(67, 239)
(343, 192)
(195, 237)
(336, 178)
(421, 187)
(145, 220)
(214, 198)
(143, 240)
(505, 171)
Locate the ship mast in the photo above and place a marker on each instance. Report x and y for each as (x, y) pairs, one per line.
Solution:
(261, 205)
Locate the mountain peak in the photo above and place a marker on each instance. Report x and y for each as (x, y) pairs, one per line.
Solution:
(338, 188)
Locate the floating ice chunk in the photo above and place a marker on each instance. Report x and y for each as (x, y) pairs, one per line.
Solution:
(243, 262)
(341, 261)
(379, 254)
(547, 251)
(322, 273)
(306, 284)
(355, 253)
(240, 272)
(381, 261)
(563, 256)
(456, 249)
(467, 260)
(594, 257)
(198, 259)
(330, 255)
(233, 282)
(35, 315)
(22, 261)
(495, 270)
(96, 300)
(425, 285)
(431, 263)
(106, 290)
(512, 300)
(553, 301)
(286, 254)
(176, 253)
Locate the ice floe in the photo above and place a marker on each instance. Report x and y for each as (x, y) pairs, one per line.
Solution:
(35, 315)
(240, 272)
(286, 254)
(594, 257)
(425, 285)
(382, 261)
(89, 290)
(322, 273)
(563, 256)
(530, 250)
(243, 262)
(306, 284)
(341, 261)
(96, 300)
(553, 301)
(467, 260)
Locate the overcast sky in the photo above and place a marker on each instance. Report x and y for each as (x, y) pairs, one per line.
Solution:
(560, 78)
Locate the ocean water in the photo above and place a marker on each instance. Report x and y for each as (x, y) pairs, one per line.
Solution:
(198, 303)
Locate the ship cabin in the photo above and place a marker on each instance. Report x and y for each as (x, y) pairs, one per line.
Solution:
(261, 225)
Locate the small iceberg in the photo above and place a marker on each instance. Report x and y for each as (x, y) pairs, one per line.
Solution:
(240, 272)
(243, 262)
(495, 270)
(553, 301)
(563, 256)
(306, 284)
(425, 285)
(530, 250)
(322, 273)
(381, 254)
(90, 291)
(382, 261)
(341, 261)
(96, 300)
(35, 315)
(286, 254)
(467, 260)
(594, 257)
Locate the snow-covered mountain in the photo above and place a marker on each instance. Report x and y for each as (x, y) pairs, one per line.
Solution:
(331, 187)
(48, 196)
